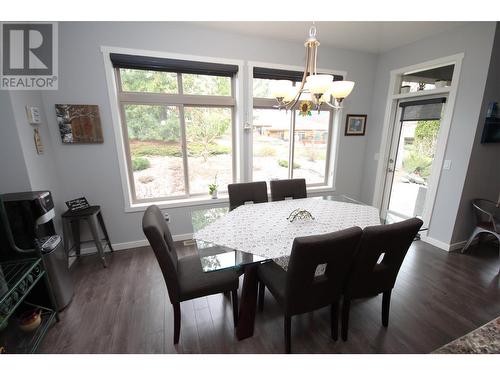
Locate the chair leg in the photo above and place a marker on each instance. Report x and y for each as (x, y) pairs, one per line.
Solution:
(177, 322)
(234, 297)
(386, 303)
(334, 320)
(104, 230)
(262, 292)
(471, 238)
(92, 220)
(346, 305)
(288, 329)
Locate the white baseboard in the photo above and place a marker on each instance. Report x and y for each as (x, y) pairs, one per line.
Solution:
(432, 241)
(133, 244)
(183, 237)
(445, 246)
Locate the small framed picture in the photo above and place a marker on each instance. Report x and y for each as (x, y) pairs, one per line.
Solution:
(355, 125)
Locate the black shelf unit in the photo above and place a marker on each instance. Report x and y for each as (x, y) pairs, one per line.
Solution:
(17, 279)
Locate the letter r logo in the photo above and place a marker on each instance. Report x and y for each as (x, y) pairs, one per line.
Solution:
(27, 49)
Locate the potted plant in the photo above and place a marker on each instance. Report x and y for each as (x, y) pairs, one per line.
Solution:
(212, 188)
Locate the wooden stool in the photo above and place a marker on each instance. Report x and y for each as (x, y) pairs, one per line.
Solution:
(71, 223)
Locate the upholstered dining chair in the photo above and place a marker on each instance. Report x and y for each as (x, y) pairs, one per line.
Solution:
(379, 257)
(285, 189)
(239, 194)
(184, 276)
(487, 215)
(301, 289)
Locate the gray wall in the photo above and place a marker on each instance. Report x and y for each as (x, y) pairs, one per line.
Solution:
(475, 41)
(13, 172)
(483, 174)
(92, 170)
(21, 154)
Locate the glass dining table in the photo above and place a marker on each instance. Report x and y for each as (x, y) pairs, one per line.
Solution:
(217, 251)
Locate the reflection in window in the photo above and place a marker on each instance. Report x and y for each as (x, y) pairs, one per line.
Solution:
(208, 136)
(135, 80)
(197, 84)
(271, 138)
(155, 150)
(310, 147)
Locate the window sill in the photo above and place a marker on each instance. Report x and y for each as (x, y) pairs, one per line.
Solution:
(201, 201)
(205, 201)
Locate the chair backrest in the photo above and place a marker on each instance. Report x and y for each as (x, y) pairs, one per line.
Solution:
(158, 234)
(307, 291)
(293, 188)
(255, 192)
(487, 211)
(381, 252)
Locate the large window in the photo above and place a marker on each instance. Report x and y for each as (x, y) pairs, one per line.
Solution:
(178, 127)
(287, 144)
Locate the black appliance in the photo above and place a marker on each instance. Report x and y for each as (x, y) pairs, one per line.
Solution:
(27, 229)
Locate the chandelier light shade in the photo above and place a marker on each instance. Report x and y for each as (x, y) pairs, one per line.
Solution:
(341, 89)
(320, 88)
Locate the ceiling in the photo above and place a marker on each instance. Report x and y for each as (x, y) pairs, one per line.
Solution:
(373, 37)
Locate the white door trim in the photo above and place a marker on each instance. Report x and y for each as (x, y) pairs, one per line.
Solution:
(390, 112)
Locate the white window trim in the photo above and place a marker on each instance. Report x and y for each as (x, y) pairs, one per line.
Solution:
(329, 187)
(118, 129)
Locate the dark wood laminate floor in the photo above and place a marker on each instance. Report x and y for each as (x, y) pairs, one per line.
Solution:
(438, 297)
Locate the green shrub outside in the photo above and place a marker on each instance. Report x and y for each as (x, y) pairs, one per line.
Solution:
(418, 164)
(139, 164)
(284, 164)
(151, 149)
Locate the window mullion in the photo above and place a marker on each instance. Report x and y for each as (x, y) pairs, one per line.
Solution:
(184, 149)
(183, 138)
(291, 152)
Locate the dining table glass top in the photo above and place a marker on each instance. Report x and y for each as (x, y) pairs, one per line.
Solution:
(251, 234)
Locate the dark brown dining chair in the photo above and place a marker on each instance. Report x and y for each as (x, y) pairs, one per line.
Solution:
(380, 253)
(239, 194)
(184, 276)
(285, 189)
(300, 289)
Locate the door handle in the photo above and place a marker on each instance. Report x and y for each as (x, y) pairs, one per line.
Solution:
(390, 169)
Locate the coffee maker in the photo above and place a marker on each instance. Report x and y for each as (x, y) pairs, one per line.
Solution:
(27, 230)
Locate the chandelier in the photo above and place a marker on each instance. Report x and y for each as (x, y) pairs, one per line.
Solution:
(315, 89)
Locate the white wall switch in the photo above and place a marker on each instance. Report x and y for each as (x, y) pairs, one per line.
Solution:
(447, 165)
(33, 114)
(376, 156)
(166, 216)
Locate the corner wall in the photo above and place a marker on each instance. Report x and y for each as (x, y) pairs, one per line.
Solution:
(475, 40)
(483, 173)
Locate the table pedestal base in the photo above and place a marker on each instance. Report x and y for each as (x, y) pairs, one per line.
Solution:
(248, 303)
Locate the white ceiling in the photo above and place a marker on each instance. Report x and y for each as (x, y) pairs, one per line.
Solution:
(362, 36)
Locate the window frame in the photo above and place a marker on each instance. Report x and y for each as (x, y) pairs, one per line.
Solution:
(180, 101)
(238, 117)
(333, 134)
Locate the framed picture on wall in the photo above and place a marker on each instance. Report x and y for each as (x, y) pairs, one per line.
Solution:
(355, 125)
(79, 123)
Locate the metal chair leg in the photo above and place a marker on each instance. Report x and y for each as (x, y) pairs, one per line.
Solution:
(471, 238)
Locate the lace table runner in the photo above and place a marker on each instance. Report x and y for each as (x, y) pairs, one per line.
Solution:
(263, 228)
